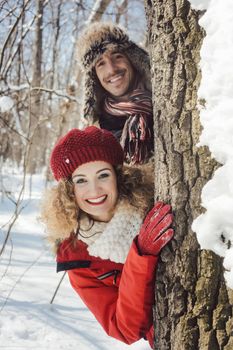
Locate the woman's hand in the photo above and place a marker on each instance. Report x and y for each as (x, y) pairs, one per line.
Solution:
(156, 230)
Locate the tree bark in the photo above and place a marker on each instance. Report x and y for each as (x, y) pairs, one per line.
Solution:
(193, 307)
(55, 50)
(36, 78)
(36, 156)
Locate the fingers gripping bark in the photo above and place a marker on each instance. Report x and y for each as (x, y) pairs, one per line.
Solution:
(156, 230)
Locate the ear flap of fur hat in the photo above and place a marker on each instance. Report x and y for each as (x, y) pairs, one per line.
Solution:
(98, 38)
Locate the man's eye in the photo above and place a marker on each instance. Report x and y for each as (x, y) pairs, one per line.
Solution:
(118, 56)
(99, 64)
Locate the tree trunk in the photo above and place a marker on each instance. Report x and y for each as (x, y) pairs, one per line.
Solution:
(193, 308)
(37, 136)
(55, 50)
(37, 61)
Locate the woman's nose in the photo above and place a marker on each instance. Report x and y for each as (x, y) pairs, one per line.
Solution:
(94, 188)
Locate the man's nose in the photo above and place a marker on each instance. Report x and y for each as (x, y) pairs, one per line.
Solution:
(111, 66)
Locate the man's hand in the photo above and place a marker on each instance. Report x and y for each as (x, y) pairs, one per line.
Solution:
(156, 230)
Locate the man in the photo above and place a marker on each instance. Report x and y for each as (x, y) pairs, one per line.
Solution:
(117, 88)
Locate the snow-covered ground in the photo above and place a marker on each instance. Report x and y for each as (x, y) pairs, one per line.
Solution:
(28, 280)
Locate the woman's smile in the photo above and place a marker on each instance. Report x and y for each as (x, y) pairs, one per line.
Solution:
(97, 201)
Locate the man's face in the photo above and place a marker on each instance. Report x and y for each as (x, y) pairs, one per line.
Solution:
(115, 73)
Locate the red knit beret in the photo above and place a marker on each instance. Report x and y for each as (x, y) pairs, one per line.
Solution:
(82, 146)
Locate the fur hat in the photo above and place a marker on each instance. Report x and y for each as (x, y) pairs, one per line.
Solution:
(82, 146)
(93, 42)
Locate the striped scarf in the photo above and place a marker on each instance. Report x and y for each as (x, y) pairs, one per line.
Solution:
(137, 134)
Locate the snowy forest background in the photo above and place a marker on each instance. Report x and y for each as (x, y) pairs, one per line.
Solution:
(40, 79)
(40, 99)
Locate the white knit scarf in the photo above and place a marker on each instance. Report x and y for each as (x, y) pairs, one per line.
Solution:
(112, 240)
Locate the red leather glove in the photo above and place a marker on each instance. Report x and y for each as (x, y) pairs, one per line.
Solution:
(155, 232)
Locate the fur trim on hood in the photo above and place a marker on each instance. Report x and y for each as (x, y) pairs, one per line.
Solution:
(98, 38)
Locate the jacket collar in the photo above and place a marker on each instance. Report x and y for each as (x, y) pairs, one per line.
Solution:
(72, 254)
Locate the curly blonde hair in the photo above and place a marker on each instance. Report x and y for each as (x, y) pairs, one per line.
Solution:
(60, 212)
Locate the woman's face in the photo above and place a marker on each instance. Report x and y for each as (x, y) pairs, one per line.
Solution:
(95, 188)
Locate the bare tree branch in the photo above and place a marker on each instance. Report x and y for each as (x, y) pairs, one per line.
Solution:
(11, 32)
(121, 8)
(58, 286)
(13, 129)
(98, 10)
(60, 94)
(11, 59)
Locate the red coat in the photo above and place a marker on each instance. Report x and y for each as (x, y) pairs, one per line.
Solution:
(120, 296)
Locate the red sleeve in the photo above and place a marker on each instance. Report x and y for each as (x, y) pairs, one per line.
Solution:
(125, 312)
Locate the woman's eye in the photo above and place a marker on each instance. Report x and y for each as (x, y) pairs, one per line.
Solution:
(104, 175)
(79, 181)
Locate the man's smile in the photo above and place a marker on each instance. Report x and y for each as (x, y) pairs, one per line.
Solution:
(115, 78)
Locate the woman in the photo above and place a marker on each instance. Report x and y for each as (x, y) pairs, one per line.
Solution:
(94, 217)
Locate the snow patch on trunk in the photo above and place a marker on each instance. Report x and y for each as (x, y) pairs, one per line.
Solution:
(214, 228)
